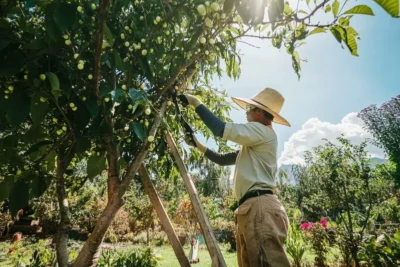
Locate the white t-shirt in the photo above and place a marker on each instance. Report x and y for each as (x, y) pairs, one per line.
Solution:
(256, 163)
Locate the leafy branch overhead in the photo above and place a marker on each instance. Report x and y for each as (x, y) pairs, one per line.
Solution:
(86, 85)
(288, 25)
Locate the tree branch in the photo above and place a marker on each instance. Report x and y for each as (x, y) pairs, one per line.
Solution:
(138, 159)
(312, 12)
(102, 20)
(248, 44)
(255, 36)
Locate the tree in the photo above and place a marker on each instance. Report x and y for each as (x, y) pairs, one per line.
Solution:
(384, 124)
(338, 181)
(92, 81)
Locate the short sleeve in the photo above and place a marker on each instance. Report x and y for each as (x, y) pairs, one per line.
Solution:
(247, 134)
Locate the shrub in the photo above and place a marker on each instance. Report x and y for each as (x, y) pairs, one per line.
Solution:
(132, 258)
(317, 234)
(295, 245)
(380, 252)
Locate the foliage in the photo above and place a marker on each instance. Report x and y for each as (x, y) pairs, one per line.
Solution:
(382, 251)
(185, 216)
(295, 245)
(384, 124)
(46, 211)
(42, 257)
(337, 181)
(142, 216)
(5, 218)
(134, 258)
(317, 234)
(28, 252)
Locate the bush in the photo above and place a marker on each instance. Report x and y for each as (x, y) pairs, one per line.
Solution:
(317, 234)
(380, 252)
(132, 258)
(295, 245)
(5, 218)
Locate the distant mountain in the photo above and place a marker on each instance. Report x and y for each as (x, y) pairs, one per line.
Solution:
(289, 168)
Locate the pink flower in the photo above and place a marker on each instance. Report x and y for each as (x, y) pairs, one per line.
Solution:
(324, 222)
(307, 226)
(304, 226)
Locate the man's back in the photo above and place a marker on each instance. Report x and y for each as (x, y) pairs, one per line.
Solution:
(256, 163)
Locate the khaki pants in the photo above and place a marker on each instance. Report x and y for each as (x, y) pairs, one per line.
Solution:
(262, 226)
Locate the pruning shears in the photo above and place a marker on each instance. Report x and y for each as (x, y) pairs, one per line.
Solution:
(188, 130)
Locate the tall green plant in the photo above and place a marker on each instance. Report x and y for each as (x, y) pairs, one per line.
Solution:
(296, 247)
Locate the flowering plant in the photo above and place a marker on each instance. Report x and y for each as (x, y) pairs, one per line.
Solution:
(318, 238)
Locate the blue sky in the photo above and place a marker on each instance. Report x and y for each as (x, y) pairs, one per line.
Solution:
(333, 82)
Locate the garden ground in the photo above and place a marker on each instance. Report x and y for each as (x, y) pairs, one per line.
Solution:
(23, 252)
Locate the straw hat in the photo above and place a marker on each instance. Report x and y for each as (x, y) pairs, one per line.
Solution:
(269, 100)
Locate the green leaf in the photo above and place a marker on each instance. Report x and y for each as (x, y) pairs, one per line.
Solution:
(19, 197)
(335, 8)
(11, 63)
(95, 165)
(139, 130)
(135, 95)
(92, 107)
(51, 160)
(317, 30)
(37, 146)
(109, 36)
(351, 31)
(390, 6)
(396, 235)
(116, 94)
(36, 45)
(54, 82)
(351, 43)
(328, 8)
(83, 144)
(55, 85)
(5, 187)
(64, 16)
(360, 9)
(118, 61)
(228, 5)
(4, 41)
(39, 186)
(51, 27)
(337, 33)
(38, 109)
(19, 107)
(104, 90)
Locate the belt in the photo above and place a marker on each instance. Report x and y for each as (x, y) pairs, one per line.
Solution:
(254, 193)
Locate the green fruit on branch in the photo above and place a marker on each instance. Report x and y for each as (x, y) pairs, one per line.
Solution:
(202, 10)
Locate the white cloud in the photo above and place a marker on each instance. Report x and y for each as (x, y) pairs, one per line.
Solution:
(314, 130)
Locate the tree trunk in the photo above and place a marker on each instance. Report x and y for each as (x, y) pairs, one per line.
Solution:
(164, 219)
(211, 242)
(62, 197)
(354, 252)
(88, 256)
(91, 248)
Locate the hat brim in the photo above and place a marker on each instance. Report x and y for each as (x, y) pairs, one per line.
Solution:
(242, 102)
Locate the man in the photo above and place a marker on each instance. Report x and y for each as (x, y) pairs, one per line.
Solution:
(262, 223)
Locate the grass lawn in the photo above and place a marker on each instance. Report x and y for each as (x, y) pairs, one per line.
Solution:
(169, 259)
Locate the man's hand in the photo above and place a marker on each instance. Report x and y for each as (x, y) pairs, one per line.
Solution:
(190, 99)
(197, 144)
